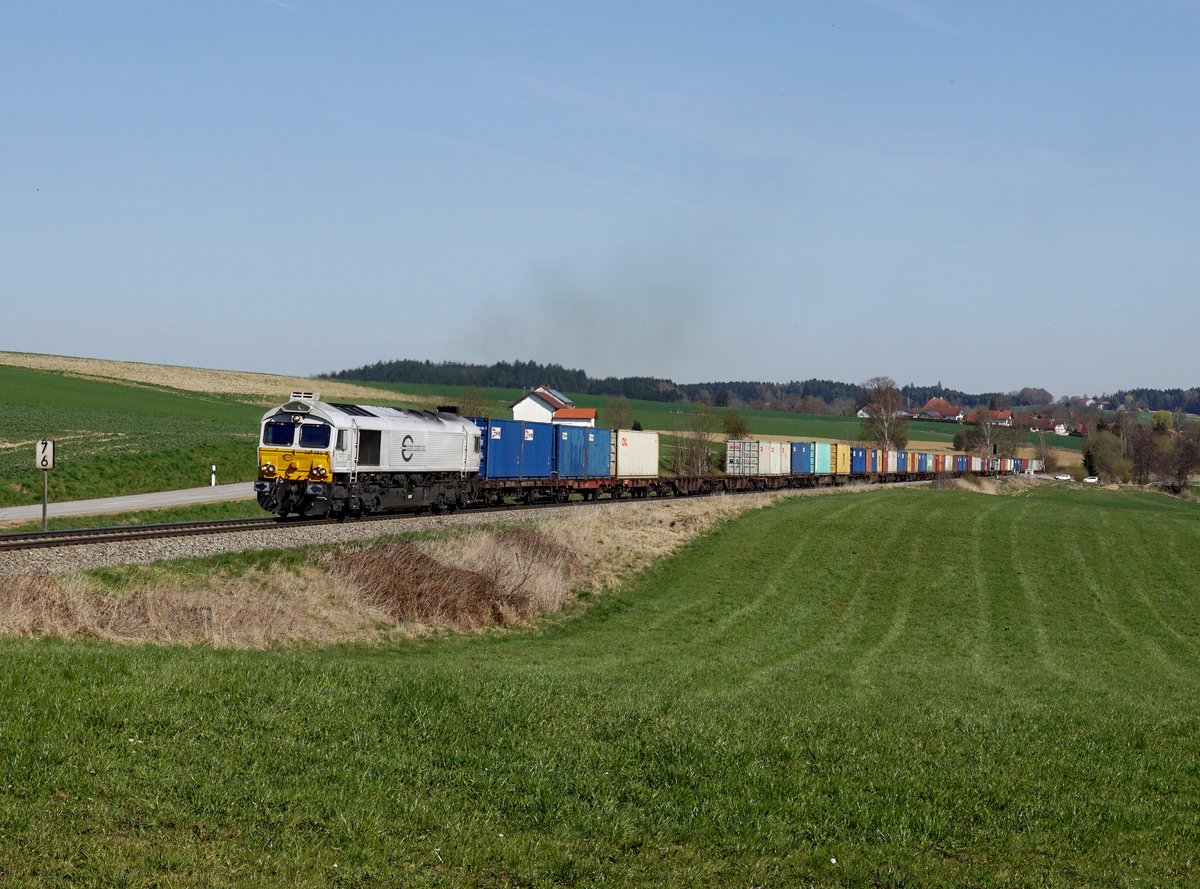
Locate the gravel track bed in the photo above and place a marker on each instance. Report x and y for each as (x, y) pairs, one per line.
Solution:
(65, 559)
(83, 557)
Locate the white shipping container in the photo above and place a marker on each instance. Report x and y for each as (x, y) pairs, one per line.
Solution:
(775, 464)
(741, 457)
(635, 453)
(748, 457)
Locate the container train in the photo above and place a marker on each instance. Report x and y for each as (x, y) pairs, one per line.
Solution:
(319, 458)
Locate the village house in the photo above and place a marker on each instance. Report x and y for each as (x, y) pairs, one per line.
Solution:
(940, 409)
(546, 405)
(999, 418)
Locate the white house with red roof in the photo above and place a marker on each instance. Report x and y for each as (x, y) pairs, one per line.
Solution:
(546, 405)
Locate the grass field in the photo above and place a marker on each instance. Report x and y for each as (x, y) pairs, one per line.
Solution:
(904, 688)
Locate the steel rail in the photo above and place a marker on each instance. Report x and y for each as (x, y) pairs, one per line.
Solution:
(15, 542)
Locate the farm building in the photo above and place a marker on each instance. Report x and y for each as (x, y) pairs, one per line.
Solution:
(546, 405)
(940, 409)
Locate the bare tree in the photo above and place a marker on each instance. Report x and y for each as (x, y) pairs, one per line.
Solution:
(1046, 454)
(617, 414)
(473, 402)
(986, 432)
(1126, 425)
(1145, 455)
(695, 451)
(883, 425)
(1184, 461)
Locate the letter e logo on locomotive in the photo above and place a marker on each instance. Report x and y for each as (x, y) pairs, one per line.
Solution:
(406, 448)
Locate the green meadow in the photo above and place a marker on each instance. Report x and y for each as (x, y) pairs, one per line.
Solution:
(895, 688)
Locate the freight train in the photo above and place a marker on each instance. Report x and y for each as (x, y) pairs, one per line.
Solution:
(318, 458)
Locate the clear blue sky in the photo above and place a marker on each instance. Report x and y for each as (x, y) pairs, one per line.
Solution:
(991, 195)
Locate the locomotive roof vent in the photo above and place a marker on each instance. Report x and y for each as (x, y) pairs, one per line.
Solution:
(306, 396)
(296, 407)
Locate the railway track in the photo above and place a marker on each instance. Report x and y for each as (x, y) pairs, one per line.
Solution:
(77, 536)
(14, 542)
(115, 534)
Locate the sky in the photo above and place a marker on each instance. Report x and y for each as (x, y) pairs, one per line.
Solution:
(989, 195)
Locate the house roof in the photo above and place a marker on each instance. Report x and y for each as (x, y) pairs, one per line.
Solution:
(552, 398)
(575, 413)
(940, 406)
(997, 416)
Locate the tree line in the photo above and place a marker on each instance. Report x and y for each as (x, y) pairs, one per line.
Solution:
(812, 396)
(1166, 451)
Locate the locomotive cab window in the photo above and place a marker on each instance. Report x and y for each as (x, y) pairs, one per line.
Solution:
(342, 444)
(477, 444)
(278, 434)
(312, 436)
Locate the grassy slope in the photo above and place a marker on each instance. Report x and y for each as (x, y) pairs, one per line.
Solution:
(933, 688)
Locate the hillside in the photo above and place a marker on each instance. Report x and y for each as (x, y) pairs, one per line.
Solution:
(132, 428)
(258, 388)
(912, 687)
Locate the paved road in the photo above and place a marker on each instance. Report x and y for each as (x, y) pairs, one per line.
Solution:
(131, 503)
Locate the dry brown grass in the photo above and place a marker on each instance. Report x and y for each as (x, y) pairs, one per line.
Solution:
(483, 579)
(257, 387)
(467, 581)
(254, 611)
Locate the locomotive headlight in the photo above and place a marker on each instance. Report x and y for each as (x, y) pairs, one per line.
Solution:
(267, 469)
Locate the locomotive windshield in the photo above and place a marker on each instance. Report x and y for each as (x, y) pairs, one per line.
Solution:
(278, 434)
(312, 436)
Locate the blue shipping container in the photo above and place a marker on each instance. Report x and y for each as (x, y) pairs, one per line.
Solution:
(901, 461)
(570, 451)
(802, 457)
(582, 452)
(515, 448)
(858, 461)
(599, 453)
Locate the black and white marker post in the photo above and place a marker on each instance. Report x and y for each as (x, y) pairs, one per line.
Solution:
(45, 462)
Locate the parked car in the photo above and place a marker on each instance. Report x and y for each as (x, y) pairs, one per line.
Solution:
(1092, 480)
(1062, 477)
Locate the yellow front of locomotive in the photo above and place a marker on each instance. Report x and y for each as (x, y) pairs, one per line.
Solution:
(295, 461)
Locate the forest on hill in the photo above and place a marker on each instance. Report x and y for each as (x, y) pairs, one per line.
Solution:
(813, 396)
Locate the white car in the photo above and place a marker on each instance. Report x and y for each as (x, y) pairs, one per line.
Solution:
(1062, 477)
(1092, 480)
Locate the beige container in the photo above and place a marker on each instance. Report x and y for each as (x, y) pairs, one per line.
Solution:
(635, 454)
(774, 461)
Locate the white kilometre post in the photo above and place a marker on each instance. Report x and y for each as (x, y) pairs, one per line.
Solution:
(44, 456)
(214, 476)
